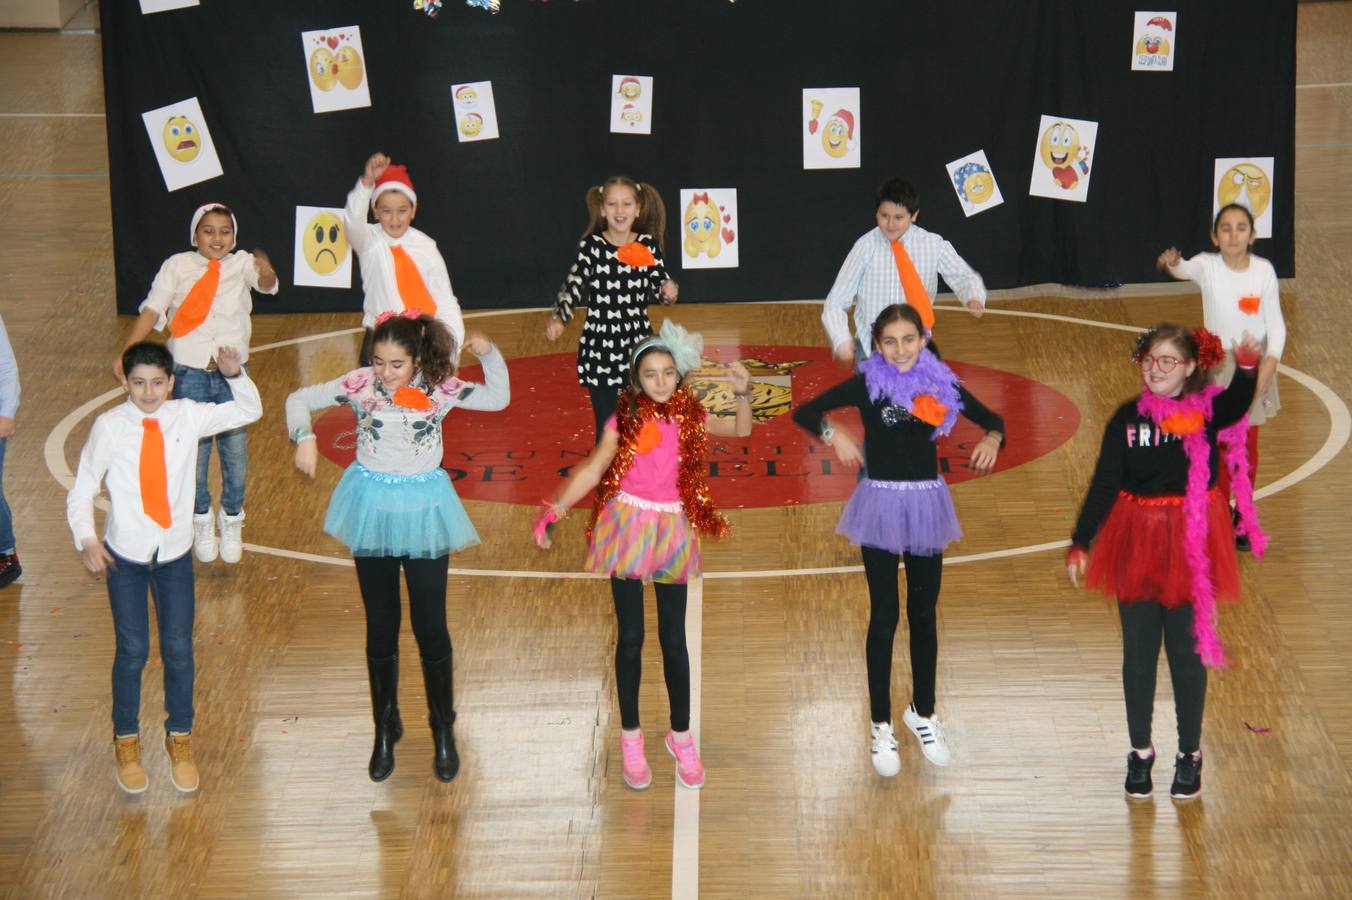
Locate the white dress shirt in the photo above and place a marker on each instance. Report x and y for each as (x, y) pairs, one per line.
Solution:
(112, 455)
(869, 282)
(372, 246)
(227, 325)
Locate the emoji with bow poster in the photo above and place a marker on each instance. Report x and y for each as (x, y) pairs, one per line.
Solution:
(336, 69)
(709, 238)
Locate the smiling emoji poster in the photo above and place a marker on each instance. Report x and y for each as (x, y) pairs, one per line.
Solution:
(335, 68)
(1063, 158)
(476, 114)
(831, 128)
(182, 144)
(323, 257)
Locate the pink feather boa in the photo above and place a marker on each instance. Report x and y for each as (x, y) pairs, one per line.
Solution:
(1195, 444)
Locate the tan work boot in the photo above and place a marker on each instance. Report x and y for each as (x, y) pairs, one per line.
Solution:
(131, 775)
(182, 768)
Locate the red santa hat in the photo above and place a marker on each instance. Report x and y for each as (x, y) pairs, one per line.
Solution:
(202, 211)
(394, 178)
(628, 80)
(847, 117)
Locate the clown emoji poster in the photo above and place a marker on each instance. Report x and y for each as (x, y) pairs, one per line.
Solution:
(476, 116)
(631, 104)
(335, 66)
(1153, 42)
(709, 228)
(1246, 180)
(155, 6)
(1063, 159)
(182, 144)
(831, 128)
(974, 183)
(323, 257)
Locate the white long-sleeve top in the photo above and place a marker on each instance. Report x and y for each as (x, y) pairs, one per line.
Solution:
(9, 376)
(391, 438)
(868, 279)
(228, 323)
(112, 455)
(1223, 289)
(373, 245)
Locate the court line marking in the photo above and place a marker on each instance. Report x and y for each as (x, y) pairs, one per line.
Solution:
(685, 812)
(1340, 430)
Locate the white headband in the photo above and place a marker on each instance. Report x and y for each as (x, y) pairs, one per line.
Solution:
(202, 211)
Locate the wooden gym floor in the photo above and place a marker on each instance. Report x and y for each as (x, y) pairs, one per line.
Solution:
(1029, 683)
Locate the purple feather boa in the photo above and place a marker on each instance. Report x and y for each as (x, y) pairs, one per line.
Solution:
(930, 375)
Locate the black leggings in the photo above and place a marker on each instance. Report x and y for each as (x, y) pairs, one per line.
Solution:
(603, 401)
(378, 577)
(1144, 622)
(628, 593)
(923, 577)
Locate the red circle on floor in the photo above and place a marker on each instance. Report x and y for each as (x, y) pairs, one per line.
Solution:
(520, 454)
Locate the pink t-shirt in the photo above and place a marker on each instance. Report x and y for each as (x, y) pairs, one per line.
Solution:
(653, 474)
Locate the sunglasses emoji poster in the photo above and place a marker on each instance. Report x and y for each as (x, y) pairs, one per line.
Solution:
(182, 144)
(335, 66)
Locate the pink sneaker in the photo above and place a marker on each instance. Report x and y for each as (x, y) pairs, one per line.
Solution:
(636, 772)
(689, 770)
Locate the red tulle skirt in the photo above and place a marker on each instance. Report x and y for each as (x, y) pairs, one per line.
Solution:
(1141, 551)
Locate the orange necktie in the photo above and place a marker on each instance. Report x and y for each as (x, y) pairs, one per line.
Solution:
(412, 290)
(195, 307)
(914, 288)
(154, 480)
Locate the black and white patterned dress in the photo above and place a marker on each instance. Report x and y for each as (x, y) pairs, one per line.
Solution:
(617, 297)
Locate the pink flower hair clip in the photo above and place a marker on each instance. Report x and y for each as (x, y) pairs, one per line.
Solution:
(412, 313)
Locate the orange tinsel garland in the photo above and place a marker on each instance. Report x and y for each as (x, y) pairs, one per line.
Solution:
(689, 414)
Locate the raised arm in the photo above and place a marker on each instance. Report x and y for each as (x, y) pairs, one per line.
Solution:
(354, 216)
(496, 391)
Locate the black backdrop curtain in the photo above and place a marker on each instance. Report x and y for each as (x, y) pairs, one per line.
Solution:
(937, 80)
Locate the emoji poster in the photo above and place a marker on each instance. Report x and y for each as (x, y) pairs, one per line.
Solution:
(1063, 159)
(631, 104)
(323, 258)
(154, 6)
(1246, 180)
(709, 238)
(1152, 42)
(476, 116)
(335, 66)
(974, 183)
(831, 136)
(182, 144)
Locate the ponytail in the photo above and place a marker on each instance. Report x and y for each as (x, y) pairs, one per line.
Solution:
(652, 212)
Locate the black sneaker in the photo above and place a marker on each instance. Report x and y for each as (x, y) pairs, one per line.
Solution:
(1139, 785)
(1187, 776)
(9, 569)
(1241, 540)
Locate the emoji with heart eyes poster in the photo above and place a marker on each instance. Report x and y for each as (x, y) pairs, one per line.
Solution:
(709, 228)
(335, 66)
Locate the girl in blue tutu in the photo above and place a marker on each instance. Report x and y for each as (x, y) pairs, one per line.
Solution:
(906, 397)
(395, 506)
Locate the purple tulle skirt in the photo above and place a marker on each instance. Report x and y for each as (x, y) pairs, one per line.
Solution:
(901, 516)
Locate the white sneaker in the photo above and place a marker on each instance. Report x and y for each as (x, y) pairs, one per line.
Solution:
(204, 536)
(232, 540)
(886, 762)
(930, 734)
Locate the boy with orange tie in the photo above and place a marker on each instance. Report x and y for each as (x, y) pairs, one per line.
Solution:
(401, 267)
(203, 297)
(897, 262)
(145, 451)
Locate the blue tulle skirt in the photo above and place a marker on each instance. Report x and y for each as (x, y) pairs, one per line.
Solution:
(418, 516)
(901, 516)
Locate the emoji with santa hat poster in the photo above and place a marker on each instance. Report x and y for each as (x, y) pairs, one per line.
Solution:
(831, 135)
(631, 104)
(476, 115)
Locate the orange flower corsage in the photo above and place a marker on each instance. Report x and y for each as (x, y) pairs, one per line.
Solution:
(1249, 305)
(648, 438)
(412, 398)
(1183, 423)
(928, 410)
(636, 254)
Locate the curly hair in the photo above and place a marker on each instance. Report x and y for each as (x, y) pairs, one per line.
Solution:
(426, 340)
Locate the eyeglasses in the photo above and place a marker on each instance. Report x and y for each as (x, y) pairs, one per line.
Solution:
(1166, 364)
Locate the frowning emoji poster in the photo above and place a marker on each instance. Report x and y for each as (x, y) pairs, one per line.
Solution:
(709, 228)
(323, 258)
(831, 129)
(182, 144)
(335, 66)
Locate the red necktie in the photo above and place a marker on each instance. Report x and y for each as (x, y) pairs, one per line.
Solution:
(154, 480)
(912, 286)
(412, 289)
(197, 305)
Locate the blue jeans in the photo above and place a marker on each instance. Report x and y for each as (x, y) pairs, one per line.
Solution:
(211, 387)
(6, 518)
(171, 587)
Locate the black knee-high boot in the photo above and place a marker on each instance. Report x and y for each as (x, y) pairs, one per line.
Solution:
(437, 676)
(384, 675)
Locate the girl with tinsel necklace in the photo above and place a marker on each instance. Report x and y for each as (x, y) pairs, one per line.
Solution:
(652, 505)
(1162, 539)
(907, 398)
